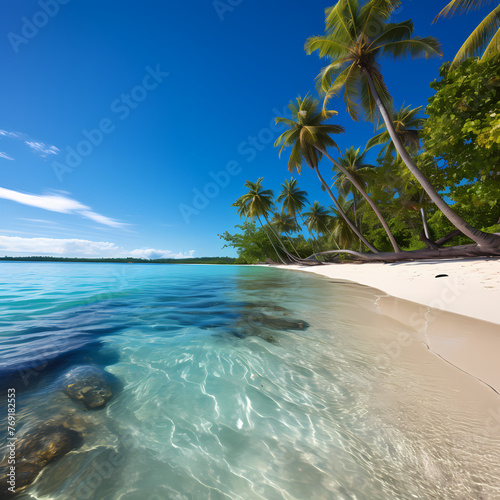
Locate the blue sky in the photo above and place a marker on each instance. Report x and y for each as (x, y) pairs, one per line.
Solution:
(117, 115)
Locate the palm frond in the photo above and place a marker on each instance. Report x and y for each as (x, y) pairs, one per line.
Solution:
(374, 13)
(415, 47)
(287, 121)
(326, 46)
(367, 100)
(461, 6)
(341, 20)
(295, 160)
(391, 33)
(479, 38)
(377, 140)
(492, 48)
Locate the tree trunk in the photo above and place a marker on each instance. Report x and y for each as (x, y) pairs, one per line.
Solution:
(430, 244)
(355, 183)
(441, 253)
(448, 237)
(287, 253)
(354, 208)
(487, 240)
(271, 241)
(341, 212)
(424, 222)
(292, 245)
(304, 223)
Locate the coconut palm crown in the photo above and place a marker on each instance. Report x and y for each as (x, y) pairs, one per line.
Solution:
(406, 125)
(306, 132)
(257, 202)
(356, 37)
(354, 161)
(309, 138)
(318, 218)
(294, 199)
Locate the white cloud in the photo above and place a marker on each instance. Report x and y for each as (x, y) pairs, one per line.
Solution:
(5, 155)
(102, 219)
(42, 149)
(14, 135)
(151, 253)
(58, 203)
(57, 247)
(42, 221)
(39, 148)
(15, 245)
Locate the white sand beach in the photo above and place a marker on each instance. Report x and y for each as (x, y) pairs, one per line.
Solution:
(471, 287)
(457, 315)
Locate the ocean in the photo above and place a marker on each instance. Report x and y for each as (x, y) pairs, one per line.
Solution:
(237, 382)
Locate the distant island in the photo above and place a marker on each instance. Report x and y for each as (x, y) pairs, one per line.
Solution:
(125, 260)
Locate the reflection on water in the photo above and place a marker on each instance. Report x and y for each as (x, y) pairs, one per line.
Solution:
(238, 383)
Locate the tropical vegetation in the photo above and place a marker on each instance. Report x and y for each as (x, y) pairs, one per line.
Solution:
(433, 189)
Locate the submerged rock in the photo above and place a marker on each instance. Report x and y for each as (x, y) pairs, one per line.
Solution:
(276, 323)
(257, 324)
(36, 448)
(90, 385)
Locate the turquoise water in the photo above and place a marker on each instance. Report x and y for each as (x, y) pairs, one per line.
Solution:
(239, 383)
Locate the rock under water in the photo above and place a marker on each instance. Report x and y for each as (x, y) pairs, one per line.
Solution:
(37, 448)
(90, 385)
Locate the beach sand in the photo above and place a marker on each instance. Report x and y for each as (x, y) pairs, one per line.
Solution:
(457, 316)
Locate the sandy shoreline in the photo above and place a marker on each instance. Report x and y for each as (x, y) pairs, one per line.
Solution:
(457, 316)
(472, 287)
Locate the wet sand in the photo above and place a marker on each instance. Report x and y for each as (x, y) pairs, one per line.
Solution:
(457, 316)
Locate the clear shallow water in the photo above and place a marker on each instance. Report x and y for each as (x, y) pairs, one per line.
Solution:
(240, 383)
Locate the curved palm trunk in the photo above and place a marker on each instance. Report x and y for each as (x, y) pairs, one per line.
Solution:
(287, 253)
(292, 245)
(354, 208)
(362, 192)
(486, 240)
(424, 222)
(341, 212)
(271, 241)
(331, 236)
(304, 223)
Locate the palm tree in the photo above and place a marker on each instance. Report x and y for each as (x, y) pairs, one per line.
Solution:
(356, 37)
(285, 223)
(486, 36)
(341, 233)
(293, 198)
(309, 138)
(353, 161)
(259, 202)
(407, 127)
(318, 218)
(243, 211)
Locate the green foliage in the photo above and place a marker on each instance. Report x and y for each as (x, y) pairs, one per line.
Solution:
(306, 133)
(252, 245)
(462, 135)
(460, 153)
